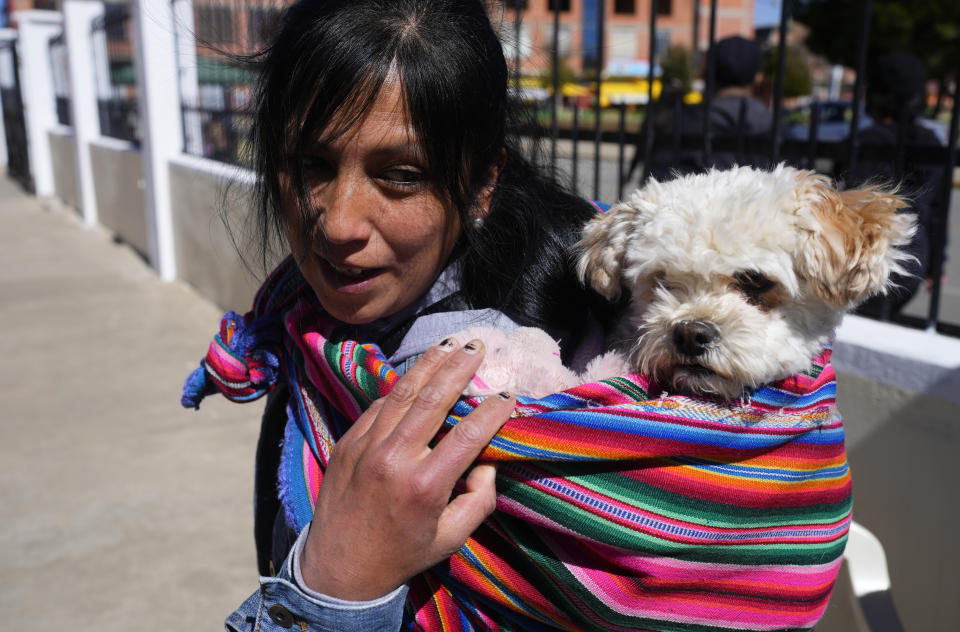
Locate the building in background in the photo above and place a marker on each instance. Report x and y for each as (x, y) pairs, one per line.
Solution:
(626, 31)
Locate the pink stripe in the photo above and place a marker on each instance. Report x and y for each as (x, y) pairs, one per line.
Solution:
(311, 473)
(675, 569)
(227, 366)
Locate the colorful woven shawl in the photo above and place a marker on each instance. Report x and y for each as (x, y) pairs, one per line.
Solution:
(616, 511)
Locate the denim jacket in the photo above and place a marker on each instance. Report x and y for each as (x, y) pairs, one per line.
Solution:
(285, 603)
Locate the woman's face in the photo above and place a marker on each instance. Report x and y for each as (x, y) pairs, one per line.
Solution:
(381, 232)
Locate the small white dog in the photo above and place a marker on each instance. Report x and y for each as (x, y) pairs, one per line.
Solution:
(736, 279)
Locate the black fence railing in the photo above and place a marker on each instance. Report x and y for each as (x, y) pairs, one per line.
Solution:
(116, 81)
(216, 80)
(57, 50)
(14, 121)
(224, 133)
(119, 118)
(63, 110)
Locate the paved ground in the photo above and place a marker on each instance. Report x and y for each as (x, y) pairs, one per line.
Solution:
(120, 510)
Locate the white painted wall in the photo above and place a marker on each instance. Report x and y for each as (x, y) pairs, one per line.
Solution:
(899, 394)
(117, 170)
(203, 192)
(63, 160)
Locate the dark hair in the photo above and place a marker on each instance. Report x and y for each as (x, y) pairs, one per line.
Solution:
(737, 61)
(896, 87)
(324, 70)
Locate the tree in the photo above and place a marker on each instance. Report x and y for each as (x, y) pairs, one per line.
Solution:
(567, 75)
(796, 71)
(677, 68)
(929, 29)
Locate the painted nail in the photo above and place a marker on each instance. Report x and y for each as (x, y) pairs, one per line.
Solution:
(472, 347)
(447, 344)
(504, 395)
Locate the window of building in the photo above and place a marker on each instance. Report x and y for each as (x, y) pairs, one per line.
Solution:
(215, 25)
(565, 40)
(625, 6)
(264, 24)
(662, 43)
(564, 5)
(623, 42)
(664, 7)
(515, 4)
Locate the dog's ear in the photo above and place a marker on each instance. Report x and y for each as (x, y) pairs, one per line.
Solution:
(851, 241)
(601, 250)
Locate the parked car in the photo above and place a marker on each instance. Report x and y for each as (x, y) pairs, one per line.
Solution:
(834, 123)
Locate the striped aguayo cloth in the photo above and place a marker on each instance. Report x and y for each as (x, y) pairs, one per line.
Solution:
(616, 511)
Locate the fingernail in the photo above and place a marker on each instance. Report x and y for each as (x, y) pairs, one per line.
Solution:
(504, 395)
(472, 347)
(447, 344)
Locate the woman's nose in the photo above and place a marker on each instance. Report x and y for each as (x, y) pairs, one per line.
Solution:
(345, 210)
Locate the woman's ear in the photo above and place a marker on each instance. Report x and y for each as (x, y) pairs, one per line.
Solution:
(489, 185)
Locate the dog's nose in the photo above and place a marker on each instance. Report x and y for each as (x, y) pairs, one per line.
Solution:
(693, 337)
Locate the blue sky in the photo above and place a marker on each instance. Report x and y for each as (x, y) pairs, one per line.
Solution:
(766, 13)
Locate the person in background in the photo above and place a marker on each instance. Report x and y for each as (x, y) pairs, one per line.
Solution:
(895, 100)
(735, 113)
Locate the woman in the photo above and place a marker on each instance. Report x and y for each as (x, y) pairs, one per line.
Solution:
(381, 140)
(381, 133)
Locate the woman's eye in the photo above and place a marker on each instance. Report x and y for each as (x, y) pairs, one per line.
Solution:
(403, 177)
(314, 165)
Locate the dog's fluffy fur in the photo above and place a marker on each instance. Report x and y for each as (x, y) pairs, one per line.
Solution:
(738, 277)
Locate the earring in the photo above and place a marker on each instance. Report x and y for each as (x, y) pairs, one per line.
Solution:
(477, 223)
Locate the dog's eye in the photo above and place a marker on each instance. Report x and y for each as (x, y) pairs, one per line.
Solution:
(670, 285)
(753, 283)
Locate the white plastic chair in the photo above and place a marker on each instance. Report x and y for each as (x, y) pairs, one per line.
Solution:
(867, 564)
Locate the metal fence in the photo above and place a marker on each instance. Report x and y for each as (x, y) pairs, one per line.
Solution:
(217, 76)
(616, 139)
(110, 38)
(14, 122)
(61, 82)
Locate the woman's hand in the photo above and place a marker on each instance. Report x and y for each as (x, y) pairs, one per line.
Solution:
(384, 511)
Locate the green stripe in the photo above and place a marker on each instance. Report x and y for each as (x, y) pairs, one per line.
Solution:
(673, 505)
(628, 387)
(596, 528)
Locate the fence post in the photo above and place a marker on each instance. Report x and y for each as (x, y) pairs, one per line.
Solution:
(78, 17)
(8, 39)
(187, 71)
(39, 103)
(155, 58)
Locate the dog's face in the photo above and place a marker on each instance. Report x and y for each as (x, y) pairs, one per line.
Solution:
(738, 277)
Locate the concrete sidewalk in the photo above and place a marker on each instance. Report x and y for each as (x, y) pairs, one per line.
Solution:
(120, 510)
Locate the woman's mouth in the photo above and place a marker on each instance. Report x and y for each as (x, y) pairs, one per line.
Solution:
(344, 278)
